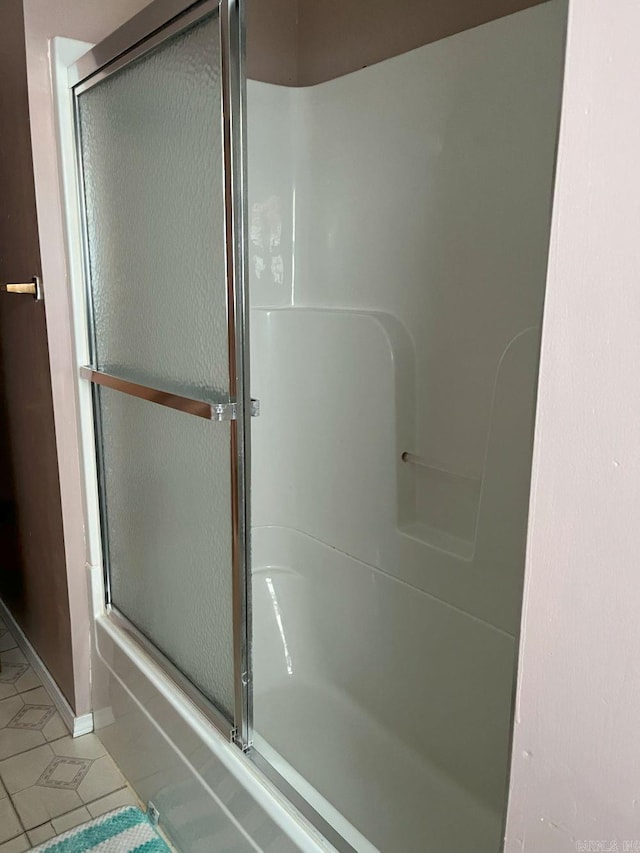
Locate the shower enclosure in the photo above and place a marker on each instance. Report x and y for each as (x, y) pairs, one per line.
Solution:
(399, 228)
(343, 610)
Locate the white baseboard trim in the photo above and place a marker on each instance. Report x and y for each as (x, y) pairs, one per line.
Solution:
(81, 725)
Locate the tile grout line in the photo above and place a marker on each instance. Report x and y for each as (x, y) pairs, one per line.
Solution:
(32, 748)
(75, 808)
(17, 813)
(57, 817)
(24, 831)
(19, 835)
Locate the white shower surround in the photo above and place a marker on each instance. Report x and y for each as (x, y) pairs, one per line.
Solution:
(399, 229)
(387, 576)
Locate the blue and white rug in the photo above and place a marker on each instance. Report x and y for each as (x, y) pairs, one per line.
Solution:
(125, 830)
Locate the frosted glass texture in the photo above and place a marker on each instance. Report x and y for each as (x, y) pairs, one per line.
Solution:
(152, 152)
(152, 155)
(167, 489)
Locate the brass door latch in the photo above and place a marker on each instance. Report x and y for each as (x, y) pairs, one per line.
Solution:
(33, 288)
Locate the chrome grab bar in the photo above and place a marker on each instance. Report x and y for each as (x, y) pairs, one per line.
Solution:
(200, 408)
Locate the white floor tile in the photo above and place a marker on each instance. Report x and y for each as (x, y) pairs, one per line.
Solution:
(71, 820)
(123, 797)
(7, 690)
(14, 667)
(27, 681)
(13, 656)
(9, 708)
(23, 771)
(9, 823)
(103, 778)
(41, 833)
(37, 805)
(55, 728)
(7, 642)
(87, 746)
(36, 696)
(17, 845)
(14, 741)
(32, 717)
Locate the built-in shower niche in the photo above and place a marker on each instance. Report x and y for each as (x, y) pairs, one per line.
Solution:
(454, 512)
(445, 506)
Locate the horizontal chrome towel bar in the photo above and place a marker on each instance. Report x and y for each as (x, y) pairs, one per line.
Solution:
(412, 459)
(199, 408)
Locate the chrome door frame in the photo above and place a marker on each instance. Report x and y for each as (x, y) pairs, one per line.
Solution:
(158, 21)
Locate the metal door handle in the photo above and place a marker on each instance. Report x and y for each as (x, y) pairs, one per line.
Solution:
(33, 287)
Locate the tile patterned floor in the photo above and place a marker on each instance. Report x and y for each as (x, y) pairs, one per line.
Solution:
(49, 781)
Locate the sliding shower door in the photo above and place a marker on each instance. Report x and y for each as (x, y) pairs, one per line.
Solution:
(157, 131)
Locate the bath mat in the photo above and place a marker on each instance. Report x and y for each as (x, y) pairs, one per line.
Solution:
(125, 830)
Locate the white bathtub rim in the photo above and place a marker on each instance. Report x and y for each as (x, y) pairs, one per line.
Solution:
(288, 819)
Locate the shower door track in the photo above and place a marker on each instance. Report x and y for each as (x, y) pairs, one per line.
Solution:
(180, 681)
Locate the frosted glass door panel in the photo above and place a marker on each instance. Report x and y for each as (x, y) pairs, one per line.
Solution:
(152, 152)
(167, 496)
(151, 145)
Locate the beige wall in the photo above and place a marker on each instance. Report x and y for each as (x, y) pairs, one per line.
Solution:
(302, 42)
(577, 745)
(33, 578)
(272, 47)
(89, 20)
